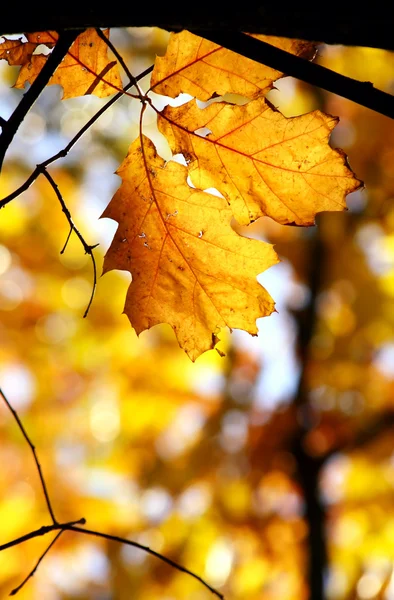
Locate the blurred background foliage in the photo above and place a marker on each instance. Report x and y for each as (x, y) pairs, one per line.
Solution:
(246, 469)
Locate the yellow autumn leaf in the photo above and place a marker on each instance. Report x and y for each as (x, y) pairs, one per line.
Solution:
(85, 69)
(189, 268)
(201, 68)
(19, 52)
(16, 52)
(263, 163)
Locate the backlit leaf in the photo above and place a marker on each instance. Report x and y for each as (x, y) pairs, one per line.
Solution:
(201, 68)
(16, 52)
(19, 52)
(189, 267)
(85, 69)
(261, 161)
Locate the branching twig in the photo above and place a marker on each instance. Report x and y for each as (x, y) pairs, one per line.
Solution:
(39, 532)
(63, 153)
(88, 249)
(11, 126)
(37, 462)
(41, 169)
(26, 579)
(73, 525)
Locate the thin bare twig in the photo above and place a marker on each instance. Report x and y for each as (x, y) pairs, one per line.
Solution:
(73, 525)
(88, 249)
(148, 550)
(39, 532)
(67, 240)
(33, 450)
(120, 58)
(26, 579)
(11, 126)
(63, 153)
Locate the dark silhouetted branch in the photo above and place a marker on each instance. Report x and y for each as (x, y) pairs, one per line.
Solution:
(361, 92)
(352, 24)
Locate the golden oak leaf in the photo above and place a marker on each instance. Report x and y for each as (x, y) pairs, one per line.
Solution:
(48, 38)
(261, 161)
(16, 52)
(85, 69)
(189, 268)
(201, 68)
(19, 52)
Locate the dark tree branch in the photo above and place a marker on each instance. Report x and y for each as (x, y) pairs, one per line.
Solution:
(352, 24)
(10, 127)
(361, 92)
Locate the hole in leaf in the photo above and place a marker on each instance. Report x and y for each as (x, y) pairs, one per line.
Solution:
(42, 49)
(203, 131)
